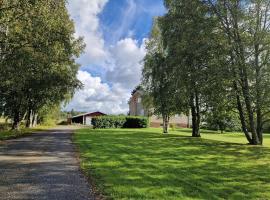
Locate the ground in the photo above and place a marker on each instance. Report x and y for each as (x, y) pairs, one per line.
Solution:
(42, 166)
(145, 164)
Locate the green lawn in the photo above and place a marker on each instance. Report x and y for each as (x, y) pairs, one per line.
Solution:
(144, 164)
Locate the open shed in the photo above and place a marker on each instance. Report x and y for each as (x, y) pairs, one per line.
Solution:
(85, 118)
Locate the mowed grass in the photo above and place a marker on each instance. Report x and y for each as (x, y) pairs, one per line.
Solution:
(145, 164)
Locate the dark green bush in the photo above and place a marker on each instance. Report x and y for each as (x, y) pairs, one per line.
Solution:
(120, 122)
(136, 122)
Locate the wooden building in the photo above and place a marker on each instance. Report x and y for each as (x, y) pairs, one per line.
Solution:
(84, 119)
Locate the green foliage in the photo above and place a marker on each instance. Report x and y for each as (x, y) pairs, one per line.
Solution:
(37, 57)
(208, 56)
(4, 126)
(50, 116)
(161, 91)
(136, 122)
(226, 121)
(120, 122)
(108, 122)
(244, 31)
(145, 164)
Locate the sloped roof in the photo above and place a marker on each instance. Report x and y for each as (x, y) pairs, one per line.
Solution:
(92, 114)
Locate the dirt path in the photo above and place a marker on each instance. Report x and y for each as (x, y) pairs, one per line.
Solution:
(42, 166)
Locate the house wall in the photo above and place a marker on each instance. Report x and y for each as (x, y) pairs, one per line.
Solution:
(88, 121)
(135, 105)
(178, 120)
(136, 109)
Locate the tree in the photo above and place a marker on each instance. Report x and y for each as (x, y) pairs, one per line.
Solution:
(38, 66)
(189, 39)
(156, 78)
(245, 26)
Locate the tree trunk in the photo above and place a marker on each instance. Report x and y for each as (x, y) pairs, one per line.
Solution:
(258, 96)
(246, 94)
(165, 124)
(241, 114)
(34, 121)
(195, 116)
(29, 119)
(16, 121)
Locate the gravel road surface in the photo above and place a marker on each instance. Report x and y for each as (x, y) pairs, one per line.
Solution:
(42, 166)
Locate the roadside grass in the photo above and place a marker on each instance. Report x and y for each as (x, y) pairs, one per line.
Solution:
(6, 134)
(145, 164)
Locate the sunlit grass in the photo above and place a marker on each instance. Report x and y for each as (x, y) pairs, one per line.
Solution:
(232, 137)
(9, 134)
(144, 164)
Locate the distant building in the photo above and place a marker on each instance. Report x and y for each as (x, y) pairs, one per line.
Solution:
(136, 108)
(85, 118)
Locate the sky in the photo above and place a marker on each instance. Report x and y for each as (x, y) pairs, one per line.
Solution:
(114, 32)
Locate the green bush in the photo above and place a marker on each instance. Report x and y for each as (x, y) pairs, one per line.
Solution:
(136, 122)
(120, 122)
(108, 122)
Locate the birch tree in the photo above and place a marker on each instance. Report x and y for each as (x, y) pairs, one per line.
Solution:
(245, 26)
(189, 38)
(38, 65)
(157, 78)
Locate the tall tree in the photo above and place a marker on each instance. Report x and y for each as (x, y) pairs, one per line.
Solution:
(245, 26)
(189, 38)
(38, 66)
(156, 78)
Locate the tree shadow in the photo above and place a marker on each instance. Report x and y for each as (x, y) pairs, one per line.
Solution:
(142, 164)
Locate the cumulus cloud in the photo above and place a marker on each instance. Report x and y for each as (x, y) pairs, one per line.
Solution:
(128, 56)
(111, 98)
(98, 96)
(121, 63)
(85, 14)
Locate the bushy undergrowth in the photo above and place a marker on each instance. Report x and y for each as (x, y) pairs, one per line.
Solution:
(120, 122)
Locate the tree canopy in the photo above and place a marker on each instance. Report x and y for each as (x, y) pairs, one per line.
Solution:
(212, 58)
(37, 57)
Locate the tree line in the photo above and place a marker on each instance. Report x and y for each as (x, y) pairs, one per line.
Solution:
(211, 56)
(37, 58)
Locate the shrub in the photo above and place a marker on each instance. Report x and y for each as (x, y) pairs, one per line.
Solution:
(108, 122)
(120, 122)
(136, 122)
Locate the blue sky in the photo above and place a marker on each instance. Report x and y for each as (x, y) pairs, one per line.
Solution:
(125, 18)
(115, 32)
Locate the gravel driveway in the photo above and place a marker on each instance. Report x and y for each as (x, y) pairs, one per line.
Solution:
(42, 166)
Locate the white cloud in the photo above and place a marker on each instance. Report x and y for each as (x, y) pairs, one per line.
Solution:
(128, 56)
(84, 13)
(98, 96)
(121, 62)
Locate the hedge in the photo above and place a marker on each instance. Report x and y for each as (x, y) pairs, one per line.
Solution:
(120, 122)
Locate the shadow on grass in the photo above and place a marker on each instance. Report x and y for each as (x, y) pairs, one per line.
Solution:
(141, 164)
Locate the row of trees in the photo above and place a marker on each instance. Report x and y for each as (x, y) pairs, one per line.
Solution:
(211, 56)
(37, 58)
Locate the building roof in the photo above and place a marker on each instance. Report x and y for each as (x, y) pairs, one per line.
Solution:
(92, 114)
